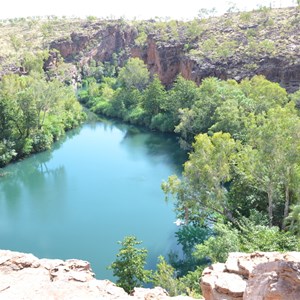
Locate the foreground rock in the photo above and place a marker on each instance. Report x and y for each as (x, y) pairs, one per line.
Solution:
(24, 276)
(256, 276)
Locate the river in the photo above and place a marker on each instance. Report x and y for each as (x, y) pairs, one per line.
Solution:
(97, 185)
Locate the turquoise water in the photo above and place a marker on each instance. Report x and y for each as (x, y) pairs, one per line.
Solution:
(101, 183)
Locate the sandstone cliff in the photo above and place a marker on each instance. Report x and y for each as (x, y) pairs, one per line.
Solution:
(256, 276)
(99, 44)
(24, 276)
(235, 45)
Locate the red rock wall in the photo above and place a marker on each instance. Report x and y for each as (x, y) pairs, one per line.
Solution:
(170, 59)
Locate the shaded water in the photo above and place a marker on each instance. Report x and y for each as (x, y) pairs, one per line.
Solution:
(98, 185)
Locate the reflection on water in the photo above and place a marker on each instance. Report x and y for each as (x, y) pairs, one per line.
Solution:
(97, 185)
(155, 145)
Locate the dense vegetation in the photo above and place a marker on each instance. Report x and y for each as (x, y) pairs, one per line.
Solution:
(34, 112)
(240, 187)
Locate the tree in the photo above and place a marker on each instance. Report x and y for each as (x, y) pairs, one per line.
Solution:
(264, 93)
(271, 160)
(231, 115)
(217, 247)
(33, 113)
(259, 237)
(134, 74)
(295, 97)
(34, 61)
(129, 265)
(153, 99)
(203, 189)
(201, 116)
(183, 95)
(164, 276)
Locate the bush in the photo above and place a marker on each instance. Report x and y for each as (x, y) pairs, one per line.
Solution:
(41, 140)
(7, 152)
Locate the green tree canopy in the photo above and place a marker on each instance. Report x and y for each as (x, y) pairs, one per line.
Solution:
(153, 100)
(202, 190)
(134, 74)
(270, 161)
(129, 265)
(34, 112)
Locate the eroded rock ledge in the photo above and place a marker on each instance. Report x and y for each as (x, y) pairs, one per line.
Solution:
(256, 276)
(24, 276)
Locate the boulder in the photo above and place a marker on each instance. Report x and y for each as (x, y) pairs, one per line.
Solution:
(255, 276)
(155, 293)
(147, 294)
(218, 284)
(277, 280)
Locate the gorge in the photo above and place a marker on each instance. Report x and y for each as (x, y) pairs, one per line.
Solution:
(207, 80)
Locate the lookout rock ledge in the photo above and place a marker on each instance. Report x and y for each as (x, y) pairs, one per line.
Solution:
(24, 276)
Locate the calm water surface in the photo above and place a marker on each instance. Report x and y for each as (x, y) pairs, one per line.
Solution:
(98, 185)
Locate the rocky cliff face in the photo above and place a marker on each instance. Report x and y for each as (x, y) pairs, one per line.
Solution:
(231, 46)
(235, 45)
(98, 44)
(163, 59)
(24, 276)
(256, 276)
